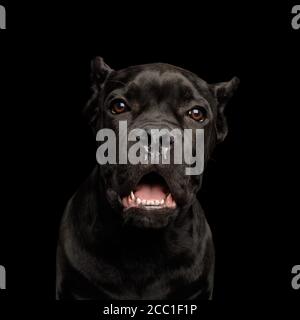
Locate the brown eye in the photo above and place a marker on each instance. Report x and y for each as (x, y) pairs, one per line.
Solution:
(198, 114)
(118, 106)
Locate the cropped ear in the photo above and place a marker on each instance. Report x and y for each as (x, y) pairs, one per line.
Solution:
(99, 73)
(222, 92)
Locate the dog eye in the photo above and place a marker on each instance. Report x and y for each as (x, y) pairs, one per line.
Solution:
(198, 114)
(118, 106)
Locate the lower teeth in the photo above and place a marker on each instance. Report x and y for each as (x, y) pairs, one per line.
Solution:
(152, 205)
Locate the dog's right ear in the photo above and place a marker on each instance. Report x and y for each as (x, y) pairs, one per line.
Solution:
(99, 73)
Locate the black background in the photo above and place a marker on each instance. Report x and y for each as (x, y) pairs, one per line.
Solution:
(250, 192)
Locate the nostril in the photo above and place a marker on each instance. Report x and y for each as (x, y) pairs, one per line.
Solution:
(149, 138)
(172, 140)
(160, 140)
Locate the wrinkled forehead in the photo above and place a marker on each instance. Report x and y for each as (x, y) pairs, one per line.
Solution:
(159, 82)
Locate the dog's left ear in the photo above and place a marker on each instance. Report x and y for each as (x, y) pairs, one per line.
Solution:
(99, 73)
(222, 92)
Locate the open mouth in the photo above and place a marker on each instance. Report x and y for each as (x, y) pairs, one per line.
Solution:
(151, 193)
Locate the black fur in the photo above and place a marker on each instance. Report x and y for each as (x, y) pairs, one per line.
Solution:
(105, 253)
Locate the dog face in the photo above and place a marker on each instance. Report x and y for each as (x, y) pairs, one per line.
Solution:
(155, 96)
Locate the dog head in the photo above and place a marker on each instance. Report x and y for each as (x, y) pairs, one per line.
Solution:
(155, 96)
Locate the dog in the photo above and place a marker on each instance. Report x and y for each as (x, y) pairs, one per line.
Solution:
(113, 243)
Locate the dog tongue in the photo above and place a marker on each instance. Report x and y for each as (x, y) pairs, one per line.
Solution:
(147, 192)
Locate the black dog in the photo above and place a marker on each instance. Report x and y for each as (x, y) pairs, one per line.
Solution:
(114, 246)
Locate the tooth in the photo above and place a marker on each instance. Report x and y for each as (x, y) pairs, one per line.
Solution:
(162, 201)
(144, 202)
(130, 201)
(138, 201)
(157, 202)
(169, 200)
(132, 195)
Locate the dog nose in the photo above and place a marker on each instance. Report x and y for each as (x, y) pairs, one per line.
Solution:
(166, 136)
